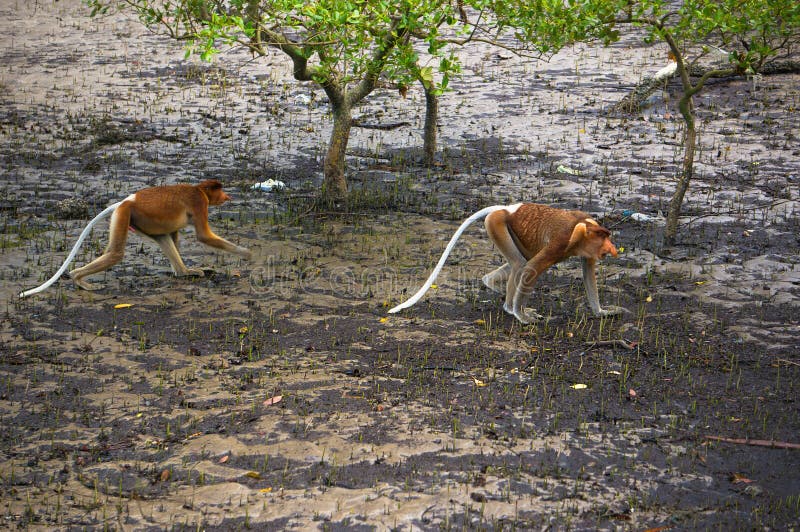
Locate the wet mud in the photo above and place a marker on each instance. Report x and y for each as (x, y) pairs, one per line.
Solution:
(279, 394)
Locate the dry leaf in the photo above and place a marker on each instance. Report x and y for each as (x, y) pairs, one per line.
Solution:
(737, 478)
(273, 400)
(632, 392)
(383, 319)
(165, 475)
(253, 474)
(123, 305)
(265, 490)
(224, 459)
(649, 299)
(480, 322)
(479, 383)
(578, 386)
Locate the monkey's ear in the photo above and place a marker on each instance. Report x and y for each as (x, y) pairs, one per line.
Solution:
(578, 236)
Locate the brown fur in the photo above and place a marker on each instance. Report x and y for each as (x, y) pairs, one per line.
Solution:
(534, 237)
(158, 213)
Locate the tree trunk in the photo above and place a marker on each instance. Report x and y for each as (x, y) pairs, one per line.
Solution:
(334, 185)
(431, 119)
(674, 212)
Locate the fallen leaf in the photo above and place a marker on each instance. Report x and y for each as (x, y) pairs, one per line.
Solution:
(613, 372)
(632, 392)
(224, 459)
(253, 474)
(578, 386)
(434, 286)
(265, 490)
(383, 319)
(698, 283)
(273, 400)
(123, 305)
(479, 383)
(165, 475)
(737, 478)
(480, 322)
(649, 299)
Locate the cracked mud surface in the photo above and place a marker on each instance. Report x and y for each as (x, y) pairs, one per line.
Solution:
(450, 415)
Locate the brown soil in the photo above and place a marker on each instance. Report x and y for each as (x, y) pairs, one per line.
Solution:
(164, 414)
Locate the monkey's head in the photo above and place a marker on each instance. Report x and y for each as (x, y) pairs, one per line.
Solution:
(213, 191)
(589, 239)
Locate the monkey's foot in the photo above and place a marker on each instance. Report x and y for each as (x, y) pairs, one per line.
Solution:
(192, 272)
(86, 285)
(611, 311)
(497, 279)
(524, 315)
(492, 283)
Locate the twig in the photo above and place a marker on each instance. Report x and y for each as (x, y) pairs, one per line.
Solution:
(619, 342)
(385, 127)
(758, 443)
(749, 209)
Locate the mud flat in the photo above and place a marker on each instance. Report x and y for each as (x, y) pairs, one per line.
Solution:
(276, 394)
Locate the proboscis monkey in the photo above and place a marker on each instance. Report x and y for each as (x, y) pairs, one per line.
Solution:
(157, 213)
(532, 238)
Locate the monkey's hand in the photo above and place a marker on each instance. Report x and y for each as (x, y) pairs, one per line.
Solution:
(611, 311)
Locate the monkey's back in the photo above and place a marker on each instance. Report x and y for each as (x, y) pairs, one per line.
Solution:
(534, 226)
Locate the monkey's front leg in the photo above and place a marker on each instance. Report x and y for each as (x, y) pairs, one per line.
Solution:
(168, 244)
(590, 283)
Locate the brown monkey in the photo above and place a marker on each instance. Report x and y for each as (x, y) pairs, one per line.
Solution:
(532, 238)
(157, 213)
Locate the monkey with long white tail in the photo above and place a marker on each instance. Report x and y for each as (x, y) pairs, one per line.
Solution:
(157, 213)
(532, 238)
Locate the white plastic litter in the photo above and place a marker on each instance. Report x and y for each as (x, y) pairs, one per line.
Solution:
(567, 170)
(269, 185)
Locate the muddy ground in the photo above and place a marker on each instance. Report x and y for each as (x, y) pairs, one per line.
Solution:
(278, 394)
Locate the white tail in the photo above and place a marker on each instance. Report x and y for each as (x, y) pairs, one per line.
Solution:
(72, 253)
(483, 213)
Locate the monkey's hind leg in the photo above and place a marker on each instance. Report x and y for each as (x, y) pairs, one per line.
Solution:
(496, 280)
(169, 245)
(115, 250)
